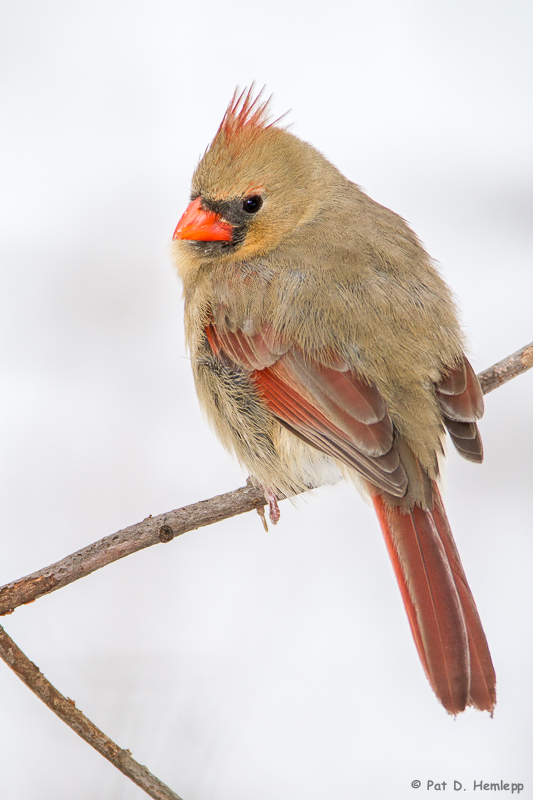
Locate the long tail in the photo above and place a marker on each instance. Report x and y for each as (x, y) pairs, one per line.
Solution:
(441, 610)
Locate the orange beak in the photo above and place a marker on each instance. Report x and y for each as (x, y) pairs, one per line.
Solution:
(200, 225)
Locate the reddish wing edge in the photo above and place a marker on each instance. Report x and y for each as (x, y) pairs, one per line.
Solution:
(461, 403)
(329, 407)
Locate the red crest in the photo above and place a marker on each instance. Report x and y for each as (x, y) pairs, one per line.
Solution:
(246, 114)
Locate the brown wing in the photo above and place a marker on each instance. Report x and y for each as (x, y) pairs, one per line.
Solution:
(461, 402)
(329, 406)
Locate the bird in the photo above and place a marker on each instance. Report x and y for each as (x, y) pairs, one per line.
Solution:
(324, 345)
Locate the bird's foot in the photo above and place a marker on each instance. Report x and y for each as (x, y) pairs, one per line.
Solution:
(274, 513)
(273, 508)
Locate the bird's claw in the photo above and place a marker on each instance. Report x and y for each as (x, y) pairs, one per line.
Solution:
(273, 508)
(261, 512)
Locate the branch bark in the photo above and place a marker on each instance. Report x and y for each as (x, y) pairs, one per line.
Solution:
(506, 369)
(166, 527)
(73, 717)
(152, 530)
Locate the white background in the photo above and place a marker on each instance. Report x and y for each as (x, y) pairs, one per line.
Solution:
(234, 663)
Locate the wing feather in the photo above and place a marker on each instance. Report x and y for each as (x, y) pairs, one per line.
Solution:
(461, 403)
(327, 405)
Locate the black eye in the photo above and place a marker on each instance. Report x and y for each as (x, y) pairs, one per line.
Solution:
(252, 204)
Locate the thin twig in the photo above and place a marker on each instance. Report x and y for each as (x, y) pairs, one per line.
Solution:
(166, 527)
(67, 711)
(506, 369)
(152, 530)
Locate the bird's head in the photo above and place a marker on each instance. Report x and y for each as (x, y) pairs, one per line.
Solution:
(255, 185)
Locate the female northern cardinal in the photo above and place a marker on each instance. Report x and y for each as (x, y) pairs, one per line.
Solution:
(323, 341)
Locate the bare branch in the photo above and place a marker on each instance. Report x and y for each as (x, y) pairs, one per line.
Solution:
(166, 527)
(67, 711)
(152, 530)
(506, 369)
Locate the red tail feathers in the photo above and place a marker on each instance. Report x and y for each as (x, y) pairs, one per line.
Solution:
(441, 610)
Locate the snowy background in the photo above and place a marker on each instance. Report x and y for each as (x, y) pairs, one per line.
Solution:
(236, 663)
